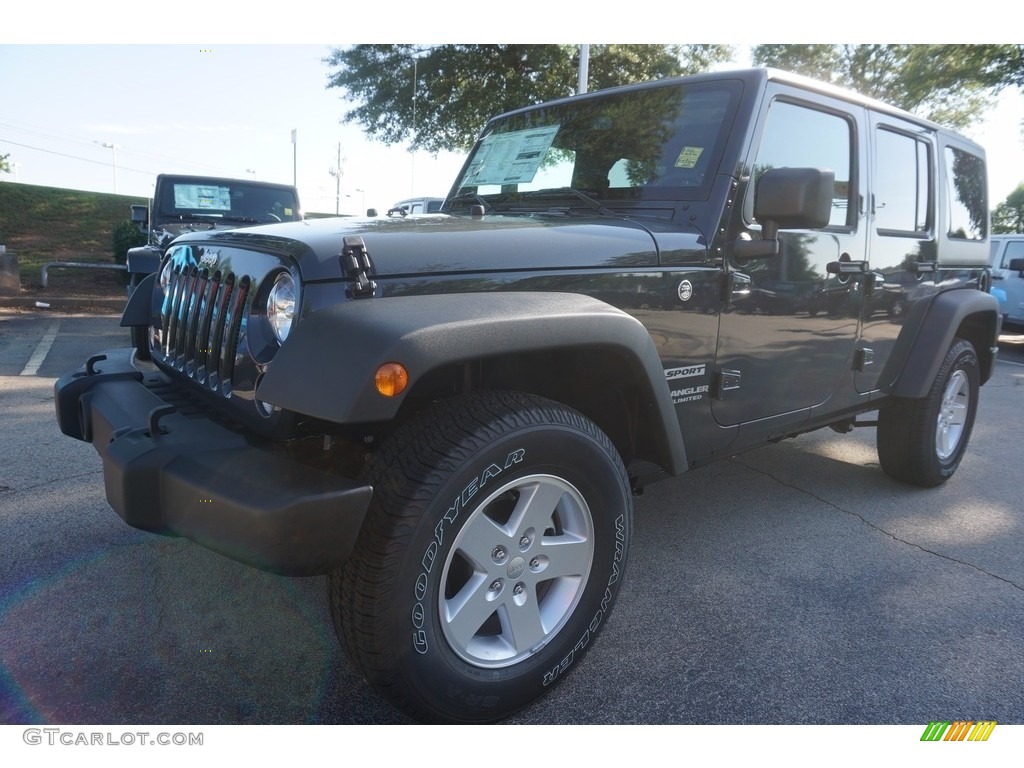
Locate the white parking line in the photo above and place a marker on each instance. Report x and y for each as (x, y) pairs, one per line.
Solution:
(41, 350)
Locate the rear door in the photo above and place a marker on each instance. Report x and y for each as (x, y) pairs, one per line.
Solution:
(902, 230)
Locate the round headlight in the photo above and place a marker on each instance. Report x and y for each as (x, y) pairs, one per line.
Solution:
(165, 277)
(281, 305)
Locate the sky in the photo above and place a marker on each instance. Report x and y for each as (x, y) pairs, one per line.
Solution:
(69, 88)
(222, 110)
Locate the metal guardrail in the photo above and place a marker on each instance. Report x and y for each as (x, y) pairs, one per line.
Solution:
(44, 277)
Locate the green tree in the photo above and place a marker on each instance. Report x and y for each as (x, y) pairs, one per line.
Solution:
(458, 87)
(950, 84)
(126, 235)
(1008, 217)
(5, 163)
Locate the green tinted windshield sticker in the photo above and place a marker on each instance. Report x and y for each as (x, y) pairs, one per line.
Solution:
(688, 157)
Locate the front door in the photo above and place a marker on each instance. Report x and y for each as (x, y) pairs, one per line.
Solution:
(787, 333)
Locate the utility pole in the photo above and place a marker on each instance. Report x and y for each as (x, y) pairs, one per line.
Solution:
(113, 148)
(337, 172)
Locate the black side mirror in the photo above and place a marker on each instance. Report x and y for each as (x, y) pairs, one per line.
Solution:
(788, 198)
(140, 216)
(1017, 265)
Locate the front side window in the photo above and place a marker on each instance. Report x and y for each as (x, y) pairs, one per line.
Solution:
(799, 137)
(1014, 250)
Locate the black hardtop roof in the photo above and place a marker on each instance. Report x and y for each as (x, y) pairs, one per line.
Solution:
(173, 177)
(757, 78)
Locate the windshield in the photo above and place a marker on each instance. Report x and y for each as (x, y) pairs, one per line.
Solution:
(640, 144)
(235, 201)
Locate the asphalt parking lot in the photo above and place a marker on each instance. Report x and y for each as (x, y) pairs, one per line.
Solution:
(793, 584)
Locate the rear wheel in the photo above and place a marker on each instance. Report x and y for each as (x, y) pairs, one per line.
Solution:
(922, 441)
(490, 557)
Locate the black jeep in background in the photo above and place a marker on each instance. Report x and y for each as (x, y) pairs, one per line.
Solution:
(183, 204)
(449, 415)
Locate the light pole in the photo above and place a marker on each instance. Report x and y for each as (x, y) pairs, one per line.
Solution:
(295, 158)
(252, 171)
(113, 150)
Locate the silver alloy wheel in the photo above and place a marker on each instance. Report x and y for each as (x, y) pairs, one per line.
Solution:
(952, 415)
(516, 571)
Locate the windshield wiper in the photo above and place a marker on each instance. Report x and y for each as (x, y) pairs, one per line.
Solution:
(248, 219)
(591, 202)
(213, 218)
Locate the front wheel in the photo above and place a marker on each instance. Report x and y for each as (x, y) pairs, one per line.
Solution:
(922, 441)
(490, 557)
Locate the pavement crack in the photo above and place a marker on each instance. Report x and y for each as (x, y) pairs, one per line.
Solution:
(51, 481)
(879, 528)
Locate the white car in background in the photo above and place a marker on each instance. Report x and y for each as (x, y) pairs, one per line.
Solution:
(416, 205)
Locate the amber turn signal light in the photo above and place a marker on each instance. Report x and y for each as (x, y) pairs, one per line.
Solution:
(391, 379)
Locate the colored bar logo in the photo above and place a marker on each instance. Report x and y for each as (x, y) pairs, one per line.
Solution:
(958, 730)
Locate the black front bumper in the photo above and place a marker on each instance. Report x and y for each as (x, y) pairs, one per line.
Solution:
(173, 472)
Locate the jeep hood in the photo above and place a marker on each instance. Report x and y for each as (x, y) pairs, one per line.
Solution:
(445, 244)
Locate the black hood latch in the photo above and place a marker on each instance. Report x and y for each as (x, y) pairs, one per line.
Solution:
(356, 263)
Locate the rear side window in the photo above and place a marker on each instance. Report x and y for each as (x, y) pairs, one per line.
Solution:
(966, 195)
(902, 184)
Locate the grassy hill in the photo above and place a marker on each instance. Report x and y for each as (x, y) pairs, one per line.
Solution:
(46, 224)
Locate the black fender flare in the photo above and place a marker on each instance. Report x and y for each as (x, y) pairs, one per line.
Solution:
(142, 304)
(311, 375)
(969, 313)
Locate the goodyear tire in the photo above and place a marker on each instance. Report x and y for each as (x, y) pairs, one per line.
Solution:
(490, 557)
(922, 441)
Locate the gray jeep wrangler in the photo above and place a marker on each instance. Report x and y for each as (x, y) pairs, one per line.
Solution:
(449, 415)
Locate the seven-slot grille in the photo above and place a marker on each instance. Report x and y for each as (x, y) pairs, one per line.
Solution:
(200, 322)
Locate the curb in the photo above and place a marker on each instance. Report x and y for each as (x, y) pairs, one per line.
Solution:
(63, 303)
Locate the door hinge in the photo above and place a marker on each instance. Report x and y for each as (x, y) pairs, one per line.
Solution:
(862, 358)
(724, 381)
